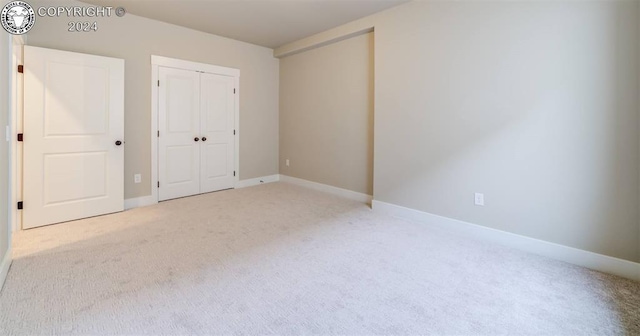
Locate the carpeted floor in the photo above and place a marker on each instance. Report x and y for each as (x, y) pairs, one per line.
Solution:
(281, 259)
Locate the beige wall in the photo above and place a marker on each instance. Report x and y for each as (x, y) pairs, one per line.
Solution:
(4, 146)
(135, 39)
(534, 104)
(326, 114)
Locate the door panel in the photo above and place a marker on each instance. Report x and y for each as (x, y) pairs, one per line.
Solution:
(73, 115)
(179, 125)
(217, 124)
(216, 160)
(63, 170)
(70, 114)
(181, 165)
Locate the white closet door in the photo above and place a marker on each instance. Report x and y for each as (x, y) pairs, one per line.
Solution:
(179, 126)
(73, 120)
(217, 127)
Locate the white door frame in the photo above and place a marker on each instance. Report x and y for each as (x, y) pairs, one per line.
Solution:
(15, 124)
(158, 61)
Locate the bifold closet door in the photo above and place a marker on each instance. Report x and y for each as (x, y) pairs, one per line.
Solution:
(179, 126)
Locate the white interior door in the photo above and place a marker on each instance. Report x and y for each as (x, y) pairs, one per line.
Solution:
(217, 119)
(73, 117)
(179, 126)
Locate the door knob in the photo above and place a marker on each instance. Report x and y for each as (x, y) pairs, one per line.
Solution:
(118, 143)
(196, 139)
(204, 138)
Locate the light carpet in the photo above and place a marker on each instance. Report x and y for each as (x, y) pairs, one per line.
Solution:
(282, 259)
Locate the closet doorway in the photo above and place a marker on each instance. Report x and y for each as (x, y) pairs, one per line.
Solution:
(197, 106)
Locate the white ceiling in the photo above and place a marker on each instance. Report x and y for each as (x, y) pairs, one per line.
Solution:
(269, 23)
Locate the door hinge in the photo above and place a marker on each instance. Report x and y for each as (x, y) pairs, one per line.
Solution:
(234, 173)
(234, 91)
(158, 82)
(158, 134)
(20, 137)
(234, 132)
(158, 184)
(20, 205)
(20, 68)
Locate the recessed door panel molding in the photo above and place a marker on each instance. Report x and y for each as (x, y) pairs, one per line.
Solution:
(63, 171)
(73, 117)
(197, 132)
(182, 94)
(67, 113)
(217, 102)
(215, 161)
(180, 167)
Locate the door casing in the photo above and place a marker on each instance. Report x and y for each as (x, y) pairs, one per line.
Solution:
(15, 125)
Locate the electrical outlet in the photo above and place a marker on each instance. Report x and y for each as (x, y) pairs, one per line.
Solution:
(287, 162)
(479, 199)
(137, 178)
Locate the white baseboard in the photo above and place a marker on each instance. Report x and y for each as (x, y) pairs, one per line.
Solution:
(595, 261)
(143, 201)
(352, 195)
(138, 202)
(4, 267)
(258, 180)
